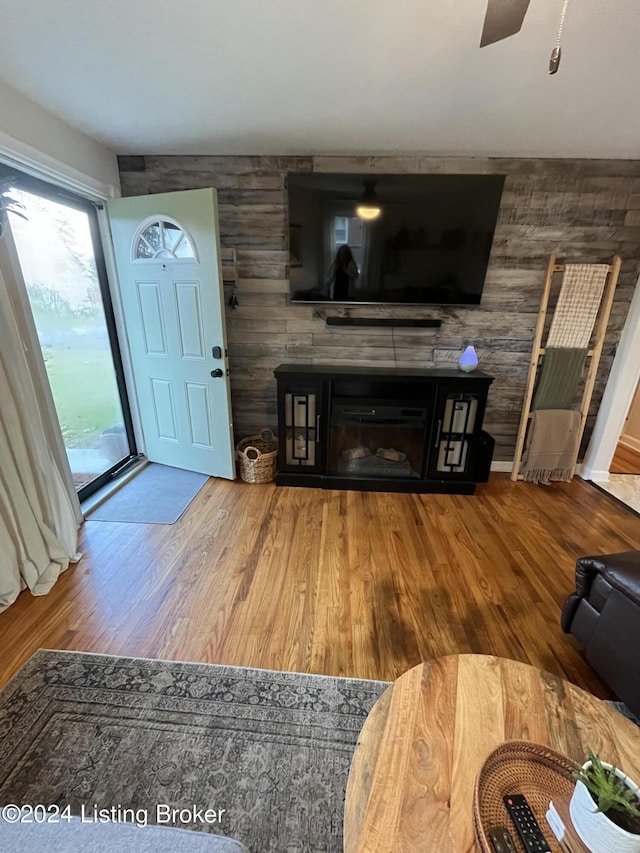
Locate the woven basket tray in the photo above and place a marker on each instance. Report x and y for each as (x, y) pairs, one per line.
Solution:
(518, 767)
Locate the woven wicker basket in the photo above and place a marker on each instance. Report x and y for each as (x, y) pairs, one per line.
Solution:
(258, 457)
(518, 767)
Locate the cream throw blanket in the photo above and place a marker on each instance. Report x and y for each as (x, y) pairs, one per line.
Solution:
(552, 445)
(578, 304)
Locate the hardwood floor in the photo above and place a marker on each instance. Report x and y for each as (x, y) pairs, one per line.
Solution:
(341, 583)
(625, 460)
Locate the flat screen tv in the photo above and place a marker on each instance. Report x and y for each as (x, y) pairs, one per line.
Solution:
(394, 239)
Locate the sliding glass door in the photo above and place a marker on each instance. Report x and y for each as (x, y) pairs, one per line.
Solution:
(58, 244)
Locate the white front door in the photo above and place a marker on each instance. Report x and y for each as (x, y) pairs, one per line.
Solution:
(168, 259)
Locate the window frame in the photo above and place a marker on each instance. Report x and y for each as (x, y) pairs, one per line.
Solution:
(37, 186)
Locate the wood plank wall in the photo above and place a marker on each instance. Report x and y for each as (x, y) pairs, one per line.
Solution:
(584, 210)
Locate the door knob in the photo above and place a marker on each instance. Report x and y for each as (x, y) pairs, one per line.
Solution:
(217, 373)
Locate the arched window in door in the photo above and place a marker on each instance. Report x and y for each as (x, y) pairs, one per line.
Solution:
(161, 238)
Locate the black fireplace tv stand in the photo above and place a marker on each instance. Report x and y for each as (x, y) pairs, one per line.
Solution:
(382, 429)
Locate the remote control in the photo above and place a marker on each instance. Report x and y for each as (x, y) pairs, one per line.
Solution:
(526, 824)
(502, 840)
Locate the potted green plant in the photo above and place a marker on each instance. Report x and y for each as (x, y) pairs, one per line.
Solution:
(605, 808)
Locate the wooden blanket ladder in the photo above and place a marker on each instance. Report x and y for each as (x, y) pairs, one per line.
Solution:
(538, 351)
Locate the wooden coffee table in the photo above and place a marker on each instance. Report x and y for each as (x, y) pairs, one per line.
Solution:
(413, 772)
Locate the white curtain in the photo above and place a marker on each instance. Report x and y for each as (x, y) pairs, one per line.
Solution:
(39, 510)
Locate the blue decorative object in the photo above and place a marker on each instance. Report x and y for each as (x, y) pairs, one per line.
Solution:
(468, 360)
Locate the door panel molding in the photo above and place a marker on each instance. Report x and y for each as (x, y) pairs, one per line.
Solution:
(194, 310)
(164, 408)
(199, 405)
(151, 311)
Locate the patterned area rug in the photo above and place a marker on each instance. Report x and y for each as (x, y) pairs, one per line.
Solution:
(271, 749)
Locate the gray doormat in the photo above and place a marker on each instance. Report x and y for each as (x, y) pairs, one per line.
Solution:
(159, 494)
(272, 749)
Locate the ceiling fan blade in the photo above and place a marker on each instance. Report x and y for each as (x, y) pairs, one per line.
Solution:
(504, 18)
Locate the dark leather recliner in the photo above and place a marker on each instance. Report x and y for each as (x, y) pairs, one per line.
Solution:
(604, 615)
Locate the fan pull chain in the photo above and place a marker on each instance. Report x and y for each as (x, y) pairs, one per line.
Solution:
(556, 53)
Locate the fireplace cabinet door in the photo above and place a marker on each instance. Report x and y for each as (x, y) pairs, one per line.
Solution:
(300, 407)
(456, 427)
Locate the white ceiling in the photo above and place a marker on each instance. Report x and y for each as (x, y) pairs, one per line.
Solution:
(329, 76)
